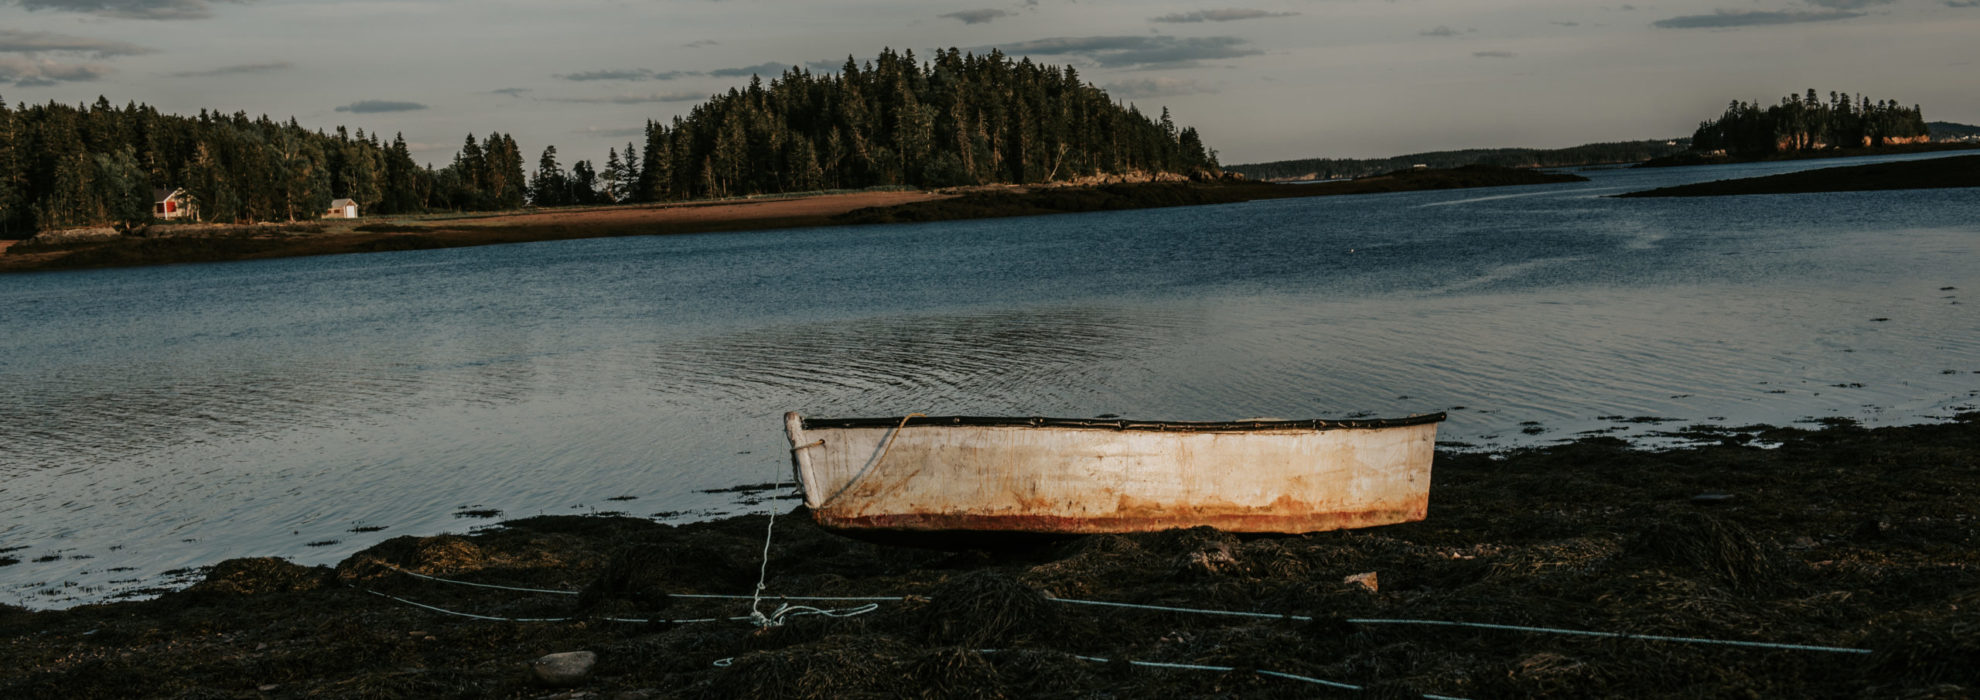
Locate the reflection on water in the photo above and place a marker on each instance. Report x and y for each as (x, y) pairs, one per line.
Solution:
(170, 417)
(1006, 361)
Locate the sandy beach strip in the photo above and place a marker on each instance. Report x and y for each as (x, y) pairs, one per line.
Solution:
(687, 213)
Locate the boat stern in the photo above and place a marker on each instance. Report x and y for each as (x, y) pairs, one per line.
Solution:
(801, 469)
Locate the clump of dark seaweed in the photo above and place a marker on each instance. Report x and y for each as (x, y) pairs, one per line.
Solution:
(636, 581)
(834, 668)
(1718, 547)
(987, 607)
(440, 554)
(1199, 552)
(261, 575)
(1037, 673)
(960, 673)
(1945, 650)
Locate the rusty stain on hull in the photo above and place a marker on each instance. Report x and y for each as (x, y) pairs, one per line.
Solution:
(1236, 522)
(938, 474)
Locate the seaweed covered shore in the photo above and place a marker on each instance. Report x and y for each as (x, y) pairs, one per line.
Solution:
(1931, 173)
(1839, 537)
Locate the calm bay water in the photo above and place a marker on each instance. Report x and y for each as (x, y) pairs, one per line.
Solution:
(160, 418)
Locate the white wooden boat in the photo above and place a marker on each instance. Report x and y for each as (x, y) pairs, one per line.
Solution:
(1058, 475)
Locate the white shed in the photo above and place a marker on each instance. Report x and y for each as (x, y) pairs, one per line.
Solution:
(342, 209)
(170, 203)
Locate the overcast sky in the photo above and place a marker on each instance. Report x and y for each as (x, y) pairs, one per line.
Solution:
(1261, 79)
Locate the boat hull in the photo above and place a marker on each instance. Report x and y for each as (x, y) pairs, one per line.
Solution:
(1077, 477)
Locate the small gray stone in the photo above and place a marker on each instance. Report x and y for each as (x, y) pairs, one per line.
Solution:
(567, 668)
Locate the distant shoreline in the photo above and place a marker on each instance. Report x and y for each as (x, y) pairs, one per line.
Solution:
(1689, 158)
(332, 237)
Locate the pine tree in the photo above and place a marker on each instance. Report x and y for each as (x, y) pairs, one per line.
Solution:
(629, 174)
(124, 187)
(402, 190)
(609, 180)
(512, 194)
(582, 184)
(728, 158)
(11, 175)
(547, 187)
(474, 172)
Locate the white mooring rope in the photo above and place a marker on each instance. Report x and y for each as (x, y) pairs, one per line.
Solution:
(1227, 669)
(551, 591)
(1476, 625)
(716, 596)
(782, 611)
(847, 612)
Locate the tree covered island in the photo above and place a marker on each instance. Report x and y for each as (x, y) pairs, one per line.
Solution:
(1808, 123)
(1806, 126)
(959, 119)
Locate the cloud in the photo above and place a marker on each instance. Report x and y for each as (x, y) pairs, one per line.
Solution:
(32, 43)
(130, 9)
(976, 16)
(376, 106)
(829, 66)
(772, 68)
(25, 59)
(627, 74)
(512, 92)
(1441, 30)
(614, 133)
(1848, 4)
(1962, 3)
(701, 43)
(242, 69)
(1135, 51)
(1230, 15)
(25, 71)
(1160, 86)
(1493, 54)
(634, 74)
(1735, 18)
(648, 98)
(1565, 24)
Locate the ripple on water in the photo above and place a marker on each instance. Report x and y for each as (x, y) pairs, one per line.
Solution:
(165, 418)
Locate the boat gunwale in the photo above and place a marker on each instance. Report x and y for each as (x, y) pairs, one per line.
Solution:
(1124, 424)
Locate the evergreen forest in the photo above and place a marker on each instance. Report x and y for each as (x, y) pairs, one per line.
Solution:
(1806, 122)
(63, 166)
(1952, 131)
(960, 119)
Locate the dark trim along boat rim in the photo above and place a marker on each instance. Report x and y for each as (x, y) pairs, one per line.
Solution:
(1123, 424)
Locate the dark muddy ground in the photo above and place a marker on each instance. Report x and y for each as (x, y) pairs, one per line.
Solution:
(1842, 536)
(1934, 173)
